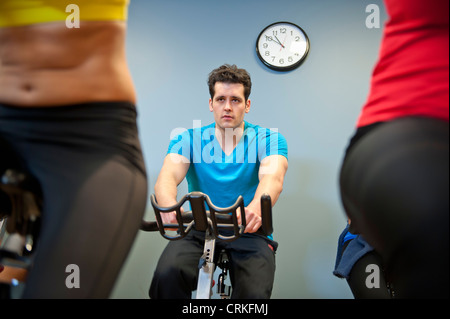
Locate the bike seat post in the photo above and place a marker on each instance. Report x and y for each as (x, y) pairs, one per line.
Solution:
(206, 264)
(206, 268)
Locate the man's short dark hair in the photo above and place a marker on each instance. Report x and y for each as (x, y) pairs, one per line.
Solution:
(230, 74)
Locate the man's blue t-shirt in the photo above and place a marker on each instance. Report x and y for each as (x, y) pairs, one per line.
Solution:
(224, 177)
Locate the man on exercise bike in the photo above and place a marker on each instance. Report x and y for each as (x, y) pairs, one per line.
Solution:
(225, 159)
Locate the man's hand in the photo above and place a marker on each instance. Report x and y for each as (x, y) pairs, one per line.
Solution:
(252, 218)
(171, 218)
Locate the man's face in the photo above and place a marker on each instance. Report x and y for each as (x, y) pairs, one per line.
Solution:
(229, 105)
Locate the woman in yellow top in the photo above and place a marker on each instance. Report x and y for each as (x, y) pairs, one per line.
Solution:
(68, 118)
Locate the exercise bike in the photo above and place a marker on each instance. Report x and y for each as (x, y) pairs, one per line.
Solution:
(20, 215)
(212, 222)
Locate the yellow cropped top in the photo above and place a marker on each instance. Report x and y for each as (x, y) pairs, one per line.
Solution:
(27, 12)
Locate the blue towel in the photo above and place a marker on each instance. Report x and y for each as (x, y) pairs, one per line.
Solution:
(356, 249)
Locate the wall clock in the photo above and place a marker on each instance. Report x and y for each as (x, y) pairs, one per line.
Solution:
(282, 46)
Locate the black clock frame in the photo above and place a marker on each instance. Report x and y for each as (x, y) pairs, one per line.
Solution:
(288, 68)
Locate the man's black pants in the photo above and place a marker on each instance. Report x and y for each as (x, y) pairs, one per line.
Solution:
(252, 267)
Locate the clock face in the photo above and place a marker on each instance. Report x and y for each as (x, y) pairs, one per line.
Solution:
(282, 46)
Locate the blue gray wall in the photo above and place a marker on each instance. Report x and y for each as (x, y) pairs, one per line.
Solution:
(174, 44)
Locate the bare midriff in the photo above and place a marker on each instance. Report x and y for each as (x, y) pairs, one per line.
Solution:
(49, 65)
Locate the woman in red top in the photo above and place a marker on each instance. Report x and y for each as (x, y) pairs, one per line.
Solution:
(395, 176)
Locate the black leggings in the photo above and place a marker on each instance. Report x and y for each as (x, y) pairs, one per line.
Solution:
(88, 162)
(394, 186)
(357, 279)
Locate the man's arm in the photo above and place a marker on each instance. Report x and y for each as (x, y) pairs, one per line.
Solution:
(271, 178)
(173, 171)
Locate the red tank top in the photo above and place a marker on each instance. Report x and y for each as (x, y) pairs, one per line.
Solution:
(411, 76)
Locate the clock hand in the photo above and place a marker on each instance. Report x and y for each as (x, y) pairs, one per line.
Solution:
(279, 42)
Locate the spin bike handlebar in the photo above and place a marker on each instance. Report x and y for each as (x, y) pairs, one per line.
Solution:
(215, 219)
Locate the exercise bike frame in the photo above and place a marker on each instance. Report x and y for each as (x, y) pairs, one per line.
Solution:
(211, 222)
(19, 222)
